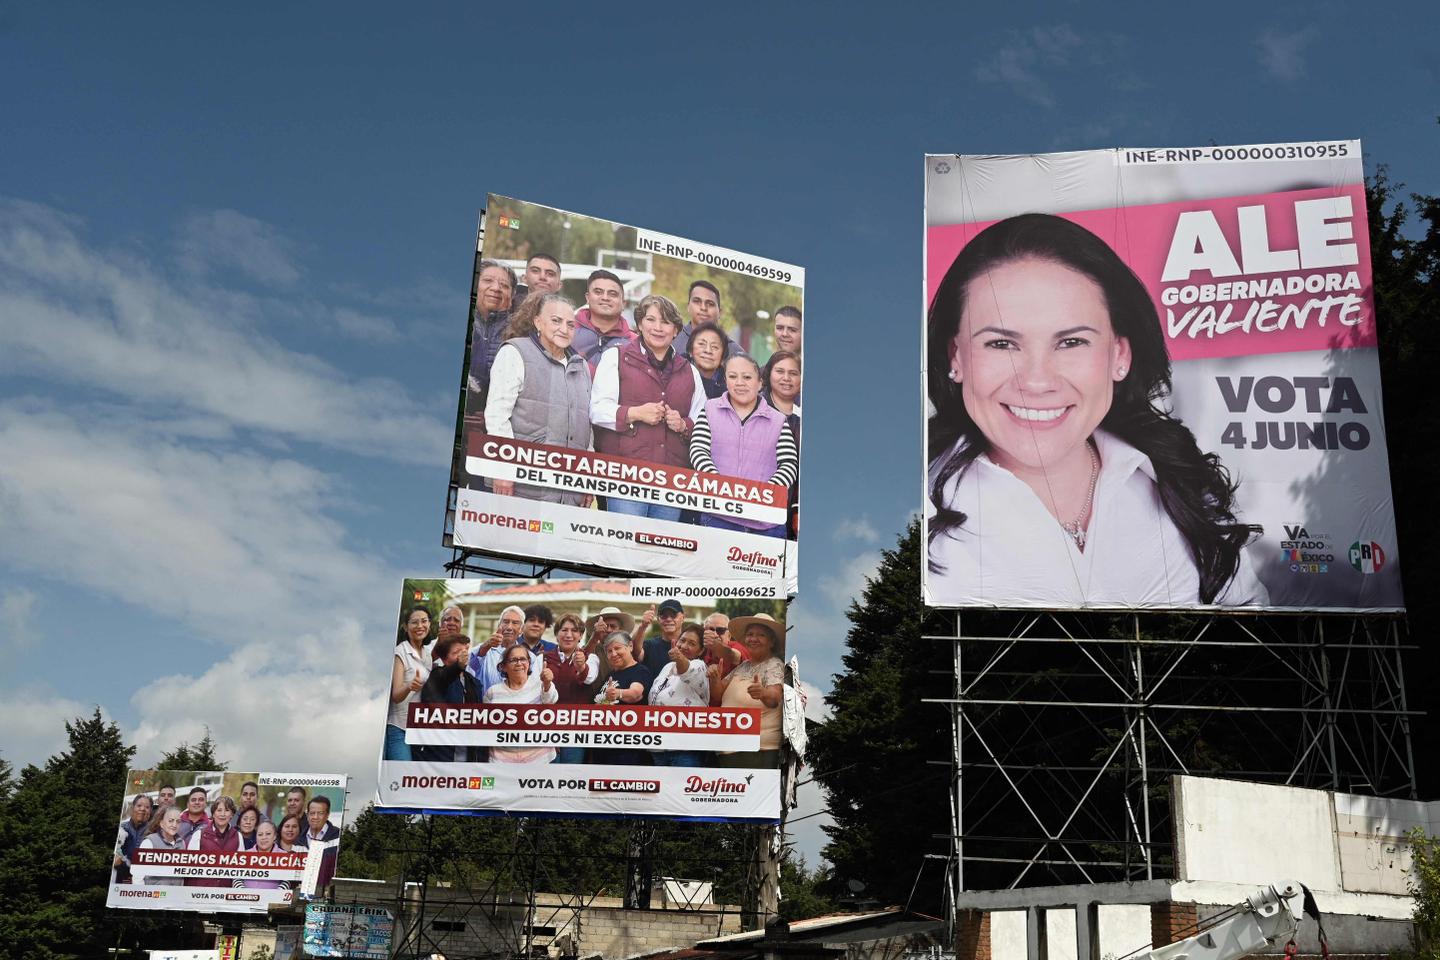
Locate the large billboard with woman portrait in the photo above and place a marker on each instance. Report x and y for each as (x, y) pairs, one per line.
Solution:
(607, 697)
(630, 402)
(1152, 382)
(218, 841)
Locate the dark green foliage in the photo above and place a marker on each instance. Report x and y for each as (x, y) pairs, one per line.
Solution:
(804, 890)
(585, 858)
(1424, 883)
(873, 756)
(1406, 261)
(201, 756)
(57, 828)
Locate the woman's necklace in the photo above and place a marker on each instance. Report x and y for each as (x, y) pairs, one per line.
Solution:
(1076, 527)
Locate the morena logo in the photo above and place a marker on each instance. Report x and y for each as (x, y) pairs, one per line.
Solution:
(508, 522)
(444, 783)
(143, 894)
(1367, 557)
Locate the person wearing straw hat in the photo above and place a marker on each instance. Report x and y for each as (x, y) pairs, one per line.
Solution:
(758, 682)
(604, 623)
(600, 626)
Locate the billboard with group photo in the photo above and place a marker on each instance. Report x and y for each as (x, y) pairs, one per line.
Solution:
(218, 841)
(590, 697)
(631, 401)
(1152, 382)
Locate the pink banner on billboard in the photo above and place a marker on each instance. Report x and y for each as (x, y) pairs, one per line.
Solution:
(1153, 382)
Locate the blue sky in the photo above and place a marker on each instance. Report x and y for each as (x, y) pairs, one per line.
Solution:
(234, 262)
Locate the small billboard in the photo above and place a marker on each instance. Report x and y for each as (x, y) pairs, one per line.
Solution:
(219, 841)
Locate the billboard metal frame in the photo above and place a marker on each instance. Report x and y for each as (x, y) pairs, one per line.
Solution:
(508, 900)
(1323, 695)
(525, 868)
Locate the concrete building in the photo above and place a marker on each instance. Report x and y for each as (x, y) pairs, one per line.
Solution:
(1230, 837)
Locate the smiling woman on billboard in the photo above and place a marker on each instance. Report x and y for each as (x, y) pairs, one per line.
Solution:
(1047, 372)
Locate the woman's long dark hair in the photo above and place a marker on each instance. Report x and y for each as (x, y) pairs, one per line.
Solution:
(1194, 487)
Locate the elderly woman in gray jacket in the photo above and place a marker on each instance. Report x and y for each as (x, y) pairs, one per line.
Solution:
(540, 389)
(164, 834)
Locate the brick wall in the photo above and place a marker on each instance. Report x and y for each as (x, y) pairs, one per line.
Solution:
(1171, 921)
(972, 935)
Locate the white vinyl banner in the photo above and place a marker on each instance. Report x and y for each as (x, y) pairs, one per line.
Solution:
(668, 792)
(220, 841)
(588, 697)
(631, 401)
(1153, 382)
(512, 527)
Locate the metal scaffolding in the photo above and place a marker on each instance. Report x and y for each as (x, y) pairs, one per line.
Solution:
(1067, 728)
(532, 893)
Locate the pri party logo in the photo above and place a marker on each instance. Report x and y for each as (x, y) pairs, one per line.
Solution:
(1367, 557)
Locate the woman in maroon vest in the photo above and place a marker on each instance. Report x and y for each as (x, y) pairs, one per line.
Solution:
(218, 836)
(645, 401)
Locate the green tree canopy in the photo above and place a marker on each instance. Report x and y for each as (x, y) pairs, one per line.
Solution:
(876, 754)
(200, 756)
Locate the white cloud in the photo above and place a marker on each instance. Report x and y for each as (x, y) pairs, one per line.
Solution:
(232, 542)
(308, 704)
(169, 469)
(17, 624)
(1020, 62)
(819, 620)
(237, 547)
(1282, 54)
(111, 322)
(855, 528)
(807, 835)
(366, 326)
(227, 241)
(33, 720)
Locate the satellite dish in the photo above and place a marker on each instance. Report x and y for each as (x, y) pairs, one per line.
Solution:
(855, 886)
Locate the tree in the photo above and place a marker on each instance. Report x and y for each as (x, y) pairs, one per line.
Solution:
(58, 830)
(1406, 271)
(201, 756)
(875, 755)
(803, 891)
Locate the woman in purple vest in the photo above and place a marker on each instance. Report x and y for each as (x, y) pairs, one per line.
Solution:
(740, 435)
(646, 400)
(540, 389)
(217, 836)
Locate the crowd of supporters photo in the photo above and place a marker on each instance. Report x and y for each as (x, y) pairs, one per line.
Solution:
(637, 381)
(198, 817)
(537, 657)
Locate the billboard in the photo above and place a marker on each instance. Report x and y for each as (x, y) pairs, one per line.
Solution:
(348, 930)
(1152, 382)
(635, 698)
(630, 401)
(219, 841)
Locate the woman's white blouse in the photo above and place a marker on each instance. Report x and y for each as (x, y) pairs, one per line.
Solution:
(1011, 552)
(413, 664)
